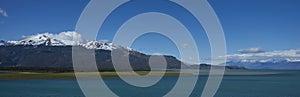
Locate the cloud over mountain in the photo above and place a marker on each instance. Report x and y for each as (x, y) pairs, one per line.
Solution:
(274, 55)
(68, 38)
(252, 58)
(258, 59)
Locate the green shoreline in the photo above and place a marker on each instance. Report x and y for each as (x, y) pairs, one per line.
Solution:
(71, 75)
(68, 75)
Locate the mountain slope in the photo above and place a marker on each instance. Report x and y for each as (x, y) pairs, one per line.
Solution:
(61, 56)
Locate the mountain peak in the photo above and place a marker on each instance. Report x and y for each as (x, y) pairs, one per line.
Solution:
(48, 39)
(99, 45)
(69, 38)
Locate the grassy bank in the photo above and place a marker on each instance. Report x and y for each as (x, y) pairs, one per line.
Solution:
(70, 75)
(35, 75)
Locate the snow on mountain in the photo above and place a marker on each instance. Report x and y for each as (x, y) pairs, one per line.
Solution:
(48, 39)
(68, 38)
(99, 45)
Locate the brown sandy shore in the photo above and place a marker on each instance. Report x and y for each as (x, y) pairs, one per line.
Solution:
(49, 75)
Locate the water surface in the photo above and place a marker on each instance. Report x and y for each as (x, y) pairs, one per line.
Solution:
(286, 84)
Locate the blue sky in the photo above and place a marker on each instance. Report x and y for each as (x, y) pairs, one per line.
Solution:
(269, 24)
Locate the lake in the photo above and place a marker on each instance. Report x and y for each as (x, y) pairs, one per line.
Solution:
(286, 84)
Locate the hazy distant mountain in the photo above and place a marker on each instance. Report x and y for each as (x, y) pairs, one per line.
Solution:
(284, 65)
(284, 59)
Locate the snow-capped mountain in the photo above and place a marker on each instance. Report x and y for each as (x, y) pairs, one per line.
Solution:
(69, 38)
(48, 39)
(252, 58)
(99, 45)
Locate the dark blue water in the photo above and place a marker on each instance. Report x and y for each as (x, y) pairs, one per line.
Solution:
(281, 85)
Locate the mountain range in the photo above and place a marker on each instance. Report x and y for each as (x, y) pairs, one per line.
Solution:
(62, 39)
(55, 51)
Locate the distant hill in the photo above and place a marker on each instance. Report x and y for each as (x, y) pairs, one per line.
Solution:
(281, 65)
(274, 60)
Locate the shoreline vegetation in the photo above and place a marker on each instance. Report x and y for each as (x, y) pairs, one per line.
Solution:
(68, 73)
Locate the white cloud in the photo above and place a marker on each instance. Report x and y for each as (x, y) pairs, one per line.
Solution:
(69, 35)
(279, 59)
(270, 56)
(275, 56)
(251, 50)
(3, 12)
(185, 45)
